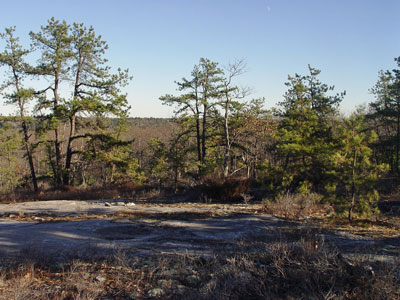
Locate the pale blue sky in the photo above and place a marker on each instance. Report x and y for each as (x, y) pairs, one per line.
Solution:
(160, 41)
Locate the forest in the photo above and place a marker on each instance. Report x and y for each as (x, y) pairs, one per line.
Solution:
(72, 130)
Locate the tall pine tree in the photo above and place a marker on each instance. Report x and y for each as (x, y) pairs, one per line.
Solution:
(305, 140)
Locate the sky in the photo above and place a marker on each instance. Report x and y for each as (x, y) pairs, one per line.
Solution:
(160, 41)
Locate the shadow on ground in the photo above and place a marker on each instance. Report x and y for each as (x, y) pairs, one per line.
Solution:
(148, 230)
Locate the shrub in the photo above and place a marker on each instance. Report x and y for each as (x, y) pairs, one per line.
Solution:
(223, 190)
(292, 205)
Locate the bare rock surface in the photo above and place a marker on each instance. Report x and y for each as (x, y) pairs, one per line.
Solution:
(152, 236)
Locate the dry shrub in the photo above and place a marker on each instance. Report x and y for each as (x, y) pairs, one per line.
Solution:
(67, 192)
(80, 284)
(305, 269)
(79, 193)
(222, 190)
(73, 283)
(109, 192)
(21, 280)
(292, 205)
(148, 192)
(282, 268)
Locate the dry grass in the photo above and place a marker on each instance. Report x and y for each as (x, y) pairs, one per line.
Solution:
(287, 267)
(304, 268)
(86, 193)
(187, 211)
(307, 208)
(386, 227)
(212, 189)
(295, 206)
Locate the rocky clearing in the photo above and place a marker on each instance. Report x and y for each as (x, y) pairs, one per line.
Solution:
(63, 228)
(114, 249)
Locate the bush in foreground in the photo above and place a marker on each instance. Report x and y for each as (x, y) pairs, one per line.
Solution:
(275, 269)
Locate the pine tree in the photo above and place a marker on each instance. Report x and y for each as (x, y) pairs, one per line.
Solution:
(10, 167)
(54, 42)
(355, 170)
(159, 162)
(305, 140)
(230, 95)
(75, 54)
(199, 104)
(13, 58)
(111, 159)
(385, 115)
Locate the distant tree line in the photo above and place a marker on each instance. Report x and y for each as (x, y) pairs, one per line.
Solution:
(74, 130)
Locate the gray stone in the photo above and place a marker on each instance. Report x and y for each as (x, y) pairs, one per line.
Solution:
(107, 204)
(101, 278)
(157, 292)
(143, 237)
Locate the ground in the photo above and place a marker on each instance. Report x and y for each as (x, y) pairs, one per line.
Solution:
(162, 249)
(65, 227)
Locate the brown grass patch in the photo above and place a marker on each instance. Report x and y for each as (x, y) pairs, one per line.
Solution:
(220, 190)
(303, 268)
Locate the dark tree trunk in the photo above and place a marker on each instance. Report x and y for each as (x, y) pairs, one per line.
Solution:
(68, 158)
(28, 147)
(204, 134)
(57, 144)
(198, 139)
(397, 138)
(30, 156)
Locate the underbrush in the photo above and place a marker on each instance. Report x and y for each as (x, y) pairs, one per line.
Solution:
(281, 268)
(229, 189)
(207, 190)
(130, 191)
(296, 205)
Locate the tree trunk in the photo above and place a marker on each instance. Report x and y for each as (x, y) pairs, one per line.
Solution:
(227, 141)
(397, 138)
(203, 135)
(198, 139)
(176, 174)
(353, 202)
(353, 188)
(72, 122)
(29, 154)
(68, 159)
(27, 144)
(57, 144)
